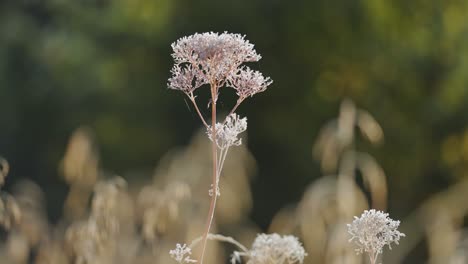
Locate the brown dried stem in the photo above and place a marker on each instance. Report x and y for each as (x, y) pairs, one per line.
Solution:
(214, 150)
(192, 98)
(239, 101)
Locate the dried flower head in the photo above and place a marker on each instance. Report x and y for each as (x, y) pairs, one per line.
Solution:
(182, 254)
(372, 231)
(276, 249)
(212, 58)
(185, 78)
(248, 82)
(227, 133)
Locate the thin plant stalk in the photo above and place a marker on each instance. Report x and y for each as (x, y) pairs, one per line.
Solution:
(373, 257)
(222, 158)
(192, 98)
(218, 163)
(214, 150)
(239, 101)
(220, 238)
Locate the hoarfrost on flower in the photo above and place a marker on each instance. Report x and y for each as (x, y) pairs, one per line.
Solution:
(216, 59)
(182, 254)
(273, 248)
(214, 56)
(227, 132)
(248, 82)
(373, 230)
(185, 78)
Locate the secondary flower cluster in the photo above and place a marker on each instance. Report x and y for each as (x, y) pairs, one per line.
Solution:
(248, 82)
(374, 230)
(182, 254)
(227, 132)
(273, 248)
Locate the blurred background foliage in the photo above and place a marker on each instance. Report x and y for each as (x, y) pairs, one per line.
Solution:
(104, 64)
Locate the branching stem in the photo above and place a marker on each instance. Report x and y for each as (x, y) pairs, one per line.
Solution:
(221, 238)
(239, 101)
(221, 159)
(192, 98)
(214, 150)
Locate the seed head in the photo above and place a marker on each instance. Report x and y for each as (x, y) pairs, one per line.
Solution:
(248, 82)
(212, 58)
(374, 230)
(276, 249)
(182, 253)
(228, 131)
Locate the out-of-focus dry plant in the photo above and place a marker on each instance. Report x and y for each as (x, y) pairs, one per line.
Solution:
(108, 235)
(4, 169)
(10, 213)
(34, 224)
(80, 168)
(118, 226)
(330, 202)
(138, 226)
(10, 218)
(338, 135)
(52, 252)
(439, 221)
(30, 230)
(160, 209)
(190, 166)
(460, 256)
(125, 223)
(80, 162)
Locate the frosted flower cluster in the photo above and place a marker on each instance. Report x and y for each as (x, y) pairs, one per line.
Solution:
(227, 132)
(276, 249)
(248, 82)
(216, 59)
(182, 254)
(374, 230)
(185, 79)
